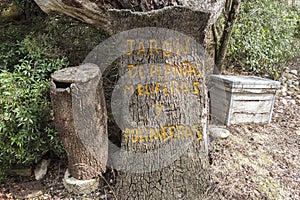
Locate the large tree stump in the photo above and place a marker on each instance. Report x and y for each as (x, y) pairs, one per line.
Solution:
(164, 125)
(143, 172)
(80, 118)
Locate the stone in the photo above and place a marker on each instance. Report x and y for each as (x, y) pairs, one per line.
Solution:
(218, 132)
(289, 82)
(295, 72)
(298, 132)
(76, 186)
(284, 91)
(283, 79)
(284, 101)
(293, 101)
(288, 75)
(290, 93)
(41, 169)
(294, 87)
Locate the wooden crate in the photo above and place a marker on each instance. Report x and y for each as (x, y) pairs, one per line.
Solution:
(242, 99)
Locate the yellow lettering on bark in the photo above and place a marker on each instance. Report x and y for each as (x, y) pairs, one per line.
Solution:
(140, 89)
(199, 69)
(185, 88)
(181, 48)
(130, 47)
(132, 70)
(189, 132)
(126, 134)
(199, 133)
(152, 70)
(153, 41)
(141, 49)
(135, 135)
(167, 48)
(196, 89)
(128, 87)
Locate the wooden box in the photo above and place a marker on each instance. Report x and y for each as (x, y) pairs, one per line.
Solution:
(242, 99)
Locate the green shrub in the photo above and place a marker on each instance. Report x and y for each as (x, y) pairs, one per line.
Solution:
(26, 130)
(265, 36)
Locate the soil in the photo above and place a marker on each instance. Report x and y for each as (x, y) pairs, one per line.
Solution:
(257, 161)
(260, 161)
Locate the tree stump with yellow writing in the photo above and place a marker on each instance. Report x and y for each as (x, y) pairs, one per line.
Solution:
(80, 118)
(163, 118)
(161, 101)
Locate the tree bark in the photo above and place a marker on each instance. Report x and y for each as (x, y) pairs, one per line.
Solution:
(147, 169)
(229, 25)
(80, 118)
(108, 15)
(158, 176)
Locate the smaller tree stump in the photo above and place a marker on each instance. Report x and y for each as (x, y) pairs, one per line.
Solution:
(80, 118)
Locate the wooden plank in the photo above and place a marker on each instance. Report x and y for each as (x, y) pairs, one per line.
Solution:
(220, 86)
(246, 90)
(250, 86)
(221, 96)
(241, 96)
(219, 104)
(238, 118)
(251, 106)
(220, 116)
(244, 81)
(216, 93)
(253, 90)
(216, 108)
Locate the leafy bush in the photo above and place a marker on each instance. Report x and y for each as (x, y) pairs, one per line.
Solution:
(265, 36)
(26, 130)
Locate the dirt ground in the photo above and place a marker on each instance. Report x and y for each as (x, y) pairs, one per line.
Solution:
(260, 161)
(257, 161)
